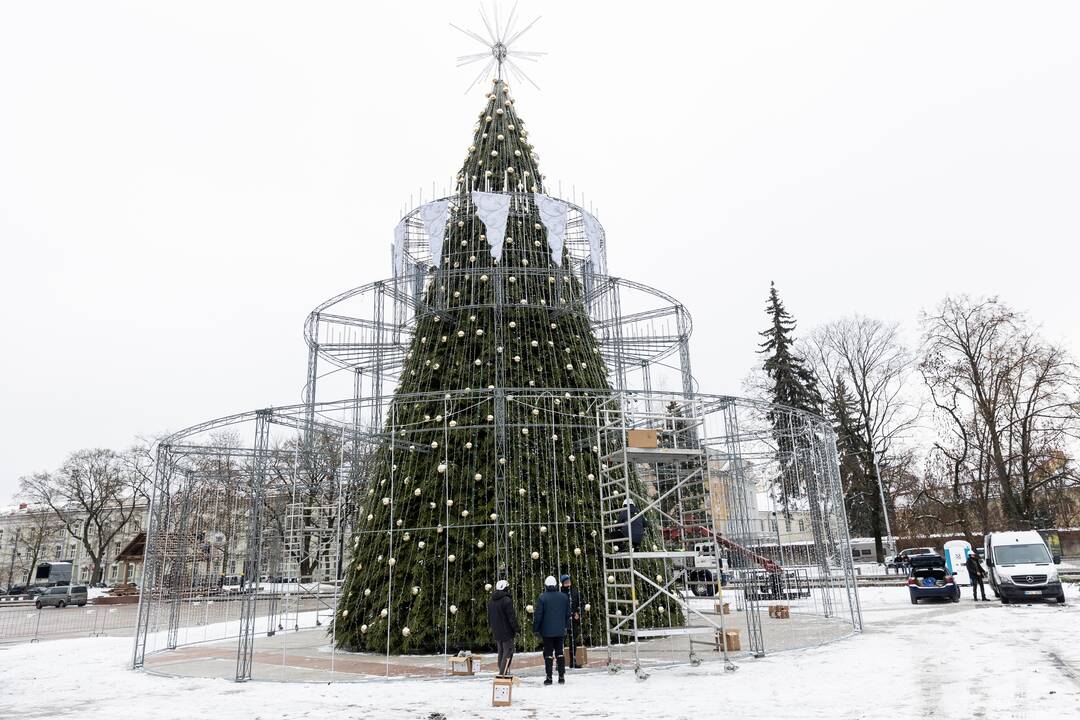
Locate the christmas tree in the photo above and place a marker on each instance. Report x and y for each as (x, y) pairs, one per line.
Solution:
(491, 469)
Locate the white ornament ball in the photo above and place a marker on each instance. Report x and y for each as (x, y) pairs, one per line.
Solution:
(421, 544)
(487, 587)
(391, 562)
(478, 477)
(610, 578)
(405, 631)
(453, 609)
(577, 551)
(442, 467)
(529, 609)
(383, 613)
(521, 491)
(535, 555)
(588, 607)
(480, 544)
(543, 528)
(367, 592)
(451, 558)
(363, 628)
(415, 590)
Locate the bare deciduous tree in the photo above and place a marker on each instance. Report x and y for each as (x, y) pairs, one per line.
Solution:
(864, 368)
(1010, 414)
(93, 495)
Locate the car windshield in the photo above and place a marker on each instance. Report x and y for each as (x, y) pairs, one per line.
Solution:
(1021, 554)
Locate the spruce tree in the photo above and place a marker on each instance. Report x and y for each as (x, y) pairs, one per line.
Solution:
(493, 468)
(860, 494)
(791, 384)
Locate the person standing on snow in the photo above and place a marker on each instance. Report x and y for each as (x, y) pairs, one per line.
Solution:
(551, 616)
(976, 573)
(574, 597)
(504, 624)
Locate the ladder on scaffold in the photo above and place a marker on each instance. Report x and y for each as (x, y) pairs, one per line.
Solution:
(668, 486)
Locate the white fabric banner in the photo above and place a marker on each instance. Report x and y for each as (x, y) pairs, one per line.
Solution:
(594, 233)
(553, 215)
(493, 210)
(399, 246)
(434, 215)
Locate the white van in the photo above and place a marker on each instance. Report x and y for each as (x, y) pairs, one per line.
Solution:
(1020, 567)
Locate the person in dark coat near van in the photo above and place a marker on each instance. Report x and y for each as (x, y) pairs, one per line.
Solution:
(637, 525)
(551, 616)
(976, 573)
(504, 624)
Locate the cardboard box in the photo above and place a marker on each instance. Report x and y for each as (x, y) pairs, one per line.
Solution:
(462, 665)
(581, 657)
(501, 690)
(724, 608)
(641, 438)
(731, 640)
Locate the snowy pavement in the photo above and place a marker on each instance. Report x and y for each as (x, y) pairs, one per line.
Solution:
(966, 660)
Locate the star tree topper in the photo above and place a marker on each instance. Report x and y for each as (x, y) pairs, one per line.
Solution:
(499, 38)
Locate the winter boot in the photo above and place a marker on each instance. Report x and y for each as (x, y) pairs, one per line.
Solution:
(547, 667)
(562, 669)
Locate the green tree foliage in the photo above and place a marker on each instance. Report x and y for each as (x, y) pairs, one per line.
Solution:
(791, 384)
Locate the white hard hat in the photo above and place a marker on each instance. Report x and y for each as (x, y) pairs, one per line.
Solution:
(549, 581)
(628, 501)
(502, 585)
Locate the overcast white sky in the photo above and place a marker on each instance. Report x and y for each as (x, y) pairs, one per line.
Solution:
(180, 183)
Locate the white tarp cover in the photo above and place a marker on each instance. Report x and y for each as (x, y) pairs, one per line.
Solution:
(493, 209)
(433, 215)
(399, 246)
(553, 216)
(594, 233)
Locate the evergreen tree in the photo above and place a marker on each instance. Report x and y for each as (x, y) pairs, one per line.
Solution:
(494, 468)
(861, 498)
(793, 385)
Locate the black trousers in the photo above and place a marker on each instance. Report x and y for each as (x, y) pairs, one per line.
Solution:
(976, 586)
(506, 654)
(575, 639)
(553, 646)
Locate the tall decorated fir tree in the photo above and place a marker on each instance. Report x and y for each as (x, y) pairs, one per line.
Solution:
(491, 469)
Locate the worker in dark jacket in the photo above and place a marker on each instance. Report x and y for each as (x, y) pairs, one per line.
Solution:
(976, 573)
(637, 524)
(504, 624)
(551, 616)
(574, 597)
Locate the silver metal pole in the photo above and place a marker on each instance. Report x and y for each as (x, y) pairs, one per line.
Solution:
(884, 508)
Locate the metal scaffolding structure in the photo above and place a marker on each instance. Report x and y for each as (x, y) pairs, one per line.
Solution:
(254, 516)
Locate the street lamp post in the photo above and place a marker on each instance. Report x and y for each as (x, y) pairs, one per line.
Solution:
(14, 553)
(890, 541)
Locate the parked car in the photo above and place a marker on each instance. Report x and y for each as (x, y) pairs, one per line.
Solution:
(62, 596)
(902, 559)
(35, 590)
(928, 578)
(1020, 567)
(16, 590)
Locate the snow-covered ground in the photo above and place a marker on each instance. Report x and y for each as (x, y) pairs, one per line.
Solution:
(966, 660)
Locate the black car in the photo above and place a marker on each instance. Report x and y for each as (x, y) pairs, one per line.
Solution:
(929, 578)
